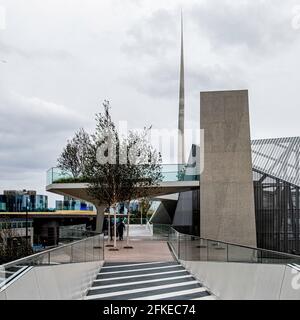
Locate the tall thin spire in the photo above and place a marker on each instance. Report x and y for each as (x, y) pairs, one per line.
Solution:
(181, 158)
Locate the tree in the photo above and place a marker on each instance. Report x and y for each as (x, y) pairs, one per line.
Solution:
(73, 157)
(116, 168)
(119, 169)
(12, 245)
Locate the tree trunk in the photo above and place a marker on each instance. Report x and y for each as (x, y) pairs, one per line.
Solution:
(142, 211)
(127, 231)
(115, 228)
(100, 218)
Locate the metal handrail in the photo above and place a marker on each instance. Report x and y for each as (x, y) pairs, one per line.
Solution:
(238, 245)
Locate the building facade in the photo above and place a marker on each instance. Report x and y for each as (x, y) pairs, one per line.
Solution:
(12, 231)
(16, 201)
(69, 203)
(276, 185)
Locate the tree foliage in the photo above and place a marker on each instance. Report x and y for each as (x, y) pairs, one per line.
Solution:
(72, 158)
(117, 168)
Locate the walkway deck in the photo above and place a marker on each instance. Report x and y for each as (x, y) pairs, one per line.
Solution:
(145, 248)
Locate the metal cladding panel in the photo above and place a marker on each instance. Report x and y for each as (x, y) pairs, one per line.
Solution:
(279, 158)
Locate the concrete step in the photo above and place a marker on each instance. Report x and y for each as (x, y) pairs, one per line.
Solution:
(157, 280)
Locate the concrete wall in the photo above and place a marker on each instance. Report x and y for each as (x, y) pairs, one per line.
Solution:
(226, 186)
(242, 281)
(56, 282)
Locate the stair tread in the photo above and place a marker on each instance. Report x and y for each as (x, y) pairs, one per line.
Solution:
(139, 280)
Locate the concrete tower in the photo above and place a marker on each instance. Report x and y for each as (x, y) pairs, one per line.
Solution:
(226, 183)
(181, 158)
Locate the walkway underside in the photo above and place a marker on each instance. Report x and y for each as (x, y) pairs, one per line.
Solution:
(79, 190)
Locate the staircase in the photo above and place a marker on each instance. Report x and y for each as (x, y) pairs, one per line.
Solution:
(146, 281)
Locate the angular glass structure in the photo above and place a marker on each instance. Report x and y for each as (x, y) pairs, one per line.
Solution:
(276, 181)
(276, 190)
(279, 158)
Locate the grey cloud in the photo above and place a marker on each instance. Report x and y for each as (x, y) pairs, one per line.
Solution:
(35, 113)
(154, 44)
(32, 132)
(215, 77)
(162, 80)
(36, 53)
(129, 53)
(152, 36)
(248, 29)
(257, 27)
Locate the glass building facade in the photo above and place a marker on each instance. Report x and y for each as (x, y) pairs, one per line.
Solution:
(2, 203)
(276, 176)
(73, 204)
(277, 214)
(16, 201)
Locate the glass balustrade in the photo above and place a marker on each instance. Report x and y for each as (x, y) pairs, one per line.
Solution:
(193, 248)
(88, 249)
(170, 173)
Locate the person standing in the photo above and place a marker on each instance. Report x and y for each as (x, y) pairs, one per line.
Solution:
(111, 229)
(121, 228)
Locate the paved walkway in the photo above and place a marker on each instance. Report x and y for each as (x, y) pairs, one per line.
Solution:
(145, 248)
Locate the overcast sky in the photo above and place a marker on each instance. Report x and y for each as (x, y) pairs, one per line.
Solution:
(59, 59)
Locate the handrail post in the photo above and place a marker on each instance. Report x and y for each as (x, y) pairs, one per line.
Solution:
(178, 245)
(85, 251)
(49, 261)
(227, 252)
(71, 253)
(199, 249)
(207, 245)
(102, 246)
(185, 248)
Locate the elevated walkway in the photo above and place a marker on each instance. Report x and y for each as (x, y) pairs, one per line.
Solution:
(173, 181)
(178, 266)
(79, 190)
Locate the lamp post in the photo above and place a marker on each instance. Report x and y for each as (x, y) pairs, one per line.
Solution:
(142, 207)
(26, 223)
(108, 230)
(114, 248)
(26, 193)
